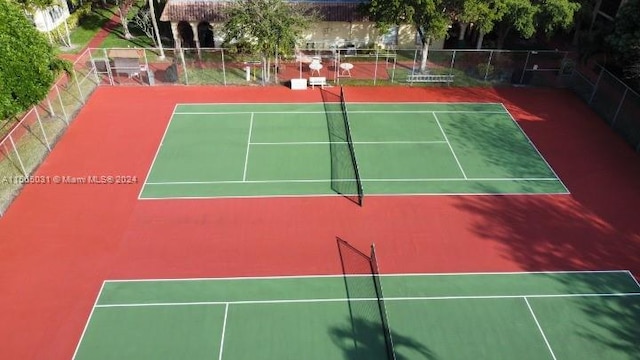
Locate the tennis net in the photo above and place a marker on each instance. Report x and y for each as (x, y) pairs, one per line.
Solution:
(345, 176)
(369, 320)
(381, 306)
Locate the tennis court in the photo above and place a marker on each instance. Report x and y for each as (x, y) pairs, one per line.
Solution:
(305, 149)
(548, 315)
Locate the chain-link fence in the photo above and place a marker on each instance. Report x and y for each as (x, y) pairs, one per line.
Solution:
(613, 100)
(338, 66)
(32, 137)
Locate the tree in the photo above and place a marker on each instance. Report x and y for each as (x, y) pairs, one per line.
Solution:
(527, 16)
(625, 40)
(28, 65)
(31, 6)
(519, 16)
(556, 15)
(484, 14)
(142, 20)
(154, 21)
(429, 17)
(266, 26)
(632, 71)
(146, 21)
(584, 15)
(124, 6)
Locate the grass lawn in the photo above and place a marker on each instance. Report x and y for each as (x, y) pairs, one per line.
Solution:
(116, 37)
(90, 24)
(88, 27)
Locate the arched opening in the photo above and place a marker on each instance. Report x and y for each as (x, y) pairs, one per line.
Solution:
(205, 34)
(186, 35)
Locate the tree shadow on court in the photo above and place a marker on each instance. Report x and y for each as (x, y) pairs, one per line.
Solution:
(556, 233)
(618, 322)
(364, 340)
(498, 142)
(596, 227)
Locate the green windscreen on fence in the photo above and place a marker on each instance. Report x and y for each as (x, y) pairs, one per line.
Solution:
(345, 177)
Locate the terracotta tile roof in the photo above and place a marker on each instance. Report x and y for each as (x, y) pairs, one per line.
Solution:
(195, 11)
(211, 10)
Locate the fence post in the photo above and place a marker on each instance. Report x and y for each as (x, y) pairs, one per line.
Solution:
(595, 86)
(108, 66)
(375, 70)
(75, 77)
(453, 62)
(64, 112)
(393, 69)
(15, 148)
(35, 109)
(524, 69)
(93, 69)
(486, 71)
(624, 95)
(563, 62)
(413, 67)
(51, 111)
(224, 69)
(184, 67)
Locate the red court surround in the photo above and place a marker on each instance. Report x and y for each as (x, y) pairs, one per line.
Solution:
(59, 242)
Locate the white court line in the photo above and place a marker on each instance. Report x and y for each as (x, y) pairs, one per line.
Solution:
(350, 112)
(86, 325)
(295, 196)
(343, 180)
(534, 147)
(246, 158)
(540, 329)
(166, 130)
(450, 147)
(319, 276)
(634, 278)
(324, 300)
(426, 111)
(344, 142)
(253, 112)
(351, 102)
(224, 328)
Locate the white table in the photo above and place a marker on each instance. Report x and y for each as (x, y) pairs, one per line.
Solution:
(315, 67)
(345, 69)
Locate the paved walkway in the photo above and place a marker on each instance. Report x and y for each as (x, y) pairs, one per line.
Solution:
(98, 38)
(102, 34)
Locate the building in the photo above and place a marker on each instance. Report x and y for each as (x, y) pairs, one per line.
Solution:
(48, 21)
(198, 24)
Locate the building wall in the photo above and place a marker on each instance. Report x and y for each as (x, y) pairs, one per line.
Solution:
(48, 19)
(328, 34)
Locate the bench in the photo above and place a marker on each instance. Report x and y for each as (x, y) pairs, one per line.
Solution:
(318, 81)
(429, 78)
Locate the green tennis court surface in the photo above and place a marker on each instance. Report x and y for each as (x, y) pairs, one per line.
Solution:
(565, 315)
(235, 150)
